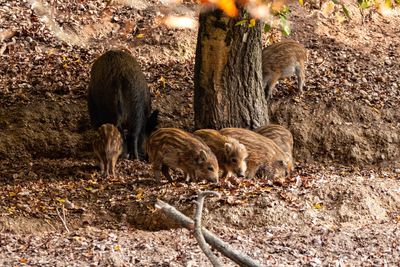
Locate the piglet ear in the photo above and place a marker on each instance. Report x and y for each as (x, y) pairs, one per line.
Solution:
(202, 157)
(278, 163)
(228, 148)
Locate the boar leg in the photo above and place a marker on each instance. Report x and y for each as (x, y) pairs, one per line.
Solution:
(106, 168)
(165, 171)
(226, 173)
(138, 135)
(101, 165)
(111, 166)
(157, 167)
(141, 146)
(134, 147)
(187, 177)
(190, 176)
(300, 77)
(99, 158)
(271, 83)
(132, 142)
(157, 173)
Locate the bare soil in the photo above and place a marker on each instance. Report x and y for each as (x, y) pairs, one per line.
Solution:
(341, 207)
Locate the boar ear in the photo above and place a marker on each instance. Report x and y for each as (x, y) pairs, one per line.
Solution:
(202, 157)
(228, 148)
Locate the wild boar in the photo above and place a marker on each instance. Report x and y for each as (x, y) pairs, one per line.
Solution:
(178, 149)
(282, 60)
(282, 138)
(107, 148)
(231, 154)
(274, 170)
(118, 94)
(263, 152)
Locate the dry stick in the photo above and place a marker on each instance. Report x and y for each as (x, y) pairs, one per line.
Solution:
(51, 225)
(197, 227)
(3, 48)
(218, 244)
(63, 220)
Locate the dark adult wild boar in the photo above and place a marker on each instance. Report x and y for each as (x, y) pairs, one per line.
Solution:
(107, 148)
(177, 149)
(282, 60)
(118, 94)
(282, 138)
(263, 152)
(231, 154)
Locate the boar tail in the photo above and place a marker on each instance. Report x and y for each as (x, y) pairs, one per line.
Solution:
(152, 122)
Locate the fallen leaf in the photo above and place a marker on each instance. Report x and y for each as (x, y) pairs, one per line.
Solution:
(139, 194)
(23, 260)
(163, 81)
(61, 200)
(252, 23)
(318, 206)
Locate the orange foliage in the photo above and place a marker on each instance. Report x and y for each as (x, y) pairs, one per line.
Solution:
(228, 6)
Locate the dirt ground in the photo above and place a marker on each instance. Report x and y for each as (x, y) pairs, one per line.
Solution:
(341, 206)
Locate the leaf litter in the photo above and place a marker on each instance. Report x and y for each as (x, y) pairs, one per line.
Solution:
(325, 214)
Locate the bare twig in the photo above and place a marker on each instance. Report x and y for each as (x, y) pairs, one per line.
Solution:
(62, 218)
(215, 242)
(198, 234)
(3, 48)
(51, 225)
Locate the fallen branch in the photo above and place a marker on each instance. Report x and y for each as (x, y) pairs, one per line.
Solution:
(198, 234)
(63, 220)
(51, 225)
(218, 244)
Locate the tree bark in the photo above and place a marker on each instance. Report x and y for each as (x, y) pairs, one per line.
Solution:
(228, 80)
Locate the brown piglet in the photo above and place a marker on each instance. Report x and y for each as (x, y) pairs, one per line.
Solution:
(107, 148)
(282, 60)
(178, 149)
(231, 154)
(282, 138)
(263, 152)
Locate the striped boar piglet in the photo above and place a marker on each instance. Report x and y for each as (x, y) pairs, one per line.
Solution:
(262, 151)
(282, 138)
(107, 147)
(282, 60)
(230, 153)
(177, 149)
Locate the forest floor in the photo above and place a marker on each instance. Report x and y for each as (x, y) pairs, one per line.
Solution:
(340, 207)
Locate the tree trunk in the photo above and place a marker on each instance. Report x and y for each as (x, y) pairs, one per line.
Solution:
(228, 80)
